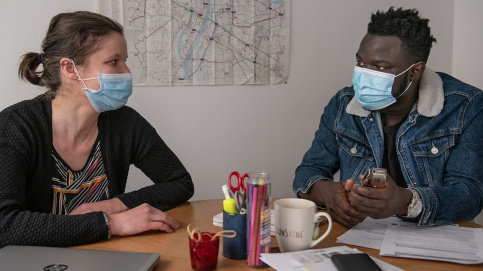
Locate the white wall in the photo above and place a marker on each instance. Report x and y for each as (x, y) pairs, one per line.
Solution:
(467, 54)
(468, 40)
(215, 130)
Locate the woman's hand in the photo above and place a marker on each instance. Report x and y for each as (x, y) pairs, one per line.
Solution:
(140, 219)
(124, 221)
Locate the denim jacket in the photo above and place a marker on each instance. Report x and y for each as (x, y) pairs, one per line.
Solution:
(439, 147)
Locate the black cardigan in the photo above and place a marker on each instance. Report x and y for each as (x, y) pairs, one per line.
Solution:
(26, 167)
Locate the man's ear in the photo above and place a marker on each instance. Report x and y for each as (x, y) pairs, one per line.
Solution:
(67, 68)
(417, 71)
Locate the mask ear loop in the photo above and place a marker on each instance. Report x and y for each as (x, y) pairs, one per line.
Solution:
(409, 82)
(404, 91)
(405, 70)
(80, 78)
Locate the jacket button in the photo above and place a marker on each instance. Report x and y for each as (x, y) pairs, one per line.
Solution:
(354, 149)
(434, 150)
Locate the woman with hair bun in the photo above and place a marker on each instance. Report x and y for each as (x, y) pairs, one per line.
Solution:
(65, 155)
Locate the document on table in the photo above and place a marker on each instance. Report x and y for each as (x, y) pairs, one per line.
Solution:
(369, 233)
(441, 243)
(314, 259)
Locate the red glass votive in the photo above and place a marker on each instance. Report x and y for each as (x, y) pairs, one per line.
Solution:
(204, 254)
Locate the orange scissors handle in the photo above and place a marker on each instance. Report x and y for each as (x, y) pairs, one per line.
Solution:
(240, 181)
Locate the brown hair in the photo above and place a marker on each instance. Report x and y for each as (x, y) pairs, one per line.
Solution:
(73, 35)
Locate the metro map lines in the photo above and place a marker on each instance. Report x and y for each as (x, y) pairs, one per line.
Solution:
(206, 42)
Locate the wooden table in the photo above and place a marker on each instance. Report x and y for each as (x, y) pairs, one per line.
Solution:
(173, 247)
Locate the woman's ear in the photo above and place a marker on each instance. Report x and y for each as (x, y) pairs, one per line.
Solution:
(68, 69)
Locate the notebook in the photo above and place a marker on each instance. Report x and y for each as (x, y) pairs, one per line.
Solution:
(59, 259)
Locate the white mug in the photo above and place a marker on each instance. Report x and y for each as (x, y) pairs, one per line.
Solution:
(295, 222)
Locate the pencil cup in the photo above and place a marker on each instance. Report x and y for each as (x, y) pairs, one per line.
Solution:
(235, 248)
(204, 251)
(258, 217)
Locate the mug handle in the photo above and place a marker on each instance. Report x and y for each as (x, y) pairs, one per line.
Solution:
(317, 215)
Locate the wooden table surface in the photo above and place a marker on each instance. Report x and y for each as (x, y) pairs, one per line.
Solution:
(174, 250)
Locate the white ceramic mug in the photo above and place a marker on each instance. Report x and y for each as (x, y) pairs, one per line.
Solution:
(295, 222)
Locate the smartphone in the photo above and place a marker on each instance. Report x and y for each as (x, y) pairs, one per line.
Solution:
(375, 178)
(358, 261)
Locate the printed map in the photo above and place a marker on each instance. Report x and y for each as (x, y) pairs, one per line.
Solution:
(204, 42)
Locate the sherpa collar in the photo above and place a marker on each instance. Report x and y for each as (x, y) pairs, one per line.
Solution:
(430, 102)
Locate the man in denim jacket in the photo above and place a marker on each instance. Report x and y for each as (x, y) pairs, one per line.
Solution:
(425, 128)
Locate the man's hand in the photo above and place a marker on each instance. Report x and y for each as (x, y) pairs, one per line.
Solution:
(110, 207)
(380, 202)
(140, 219)
(333, 196)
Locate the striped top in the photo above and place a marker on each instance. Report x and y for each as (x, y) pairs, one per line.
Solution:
(72, 188)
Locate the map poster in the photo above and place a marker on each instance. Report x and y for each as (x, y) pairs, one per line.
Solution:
(204, 42)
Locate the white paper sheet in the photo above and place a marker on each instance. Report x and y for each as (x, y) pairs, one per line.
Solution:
(440, 243)
(281, 261)
(369, 233)
(314, 259)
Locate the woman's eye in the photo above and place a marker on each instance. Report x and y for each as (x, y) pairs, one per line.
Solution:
(114, 62)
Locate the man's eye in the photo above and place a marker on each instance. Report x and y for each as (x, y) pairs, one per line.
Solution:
(359, 63)
(378, 67)
(114, 61)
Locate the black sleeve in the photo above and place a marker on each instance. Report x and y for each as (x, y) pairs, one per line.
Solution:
(172, 182)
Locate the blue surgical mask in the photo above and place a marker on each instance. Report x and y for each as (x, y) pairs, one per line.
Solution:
(373, 89)
(113, 93)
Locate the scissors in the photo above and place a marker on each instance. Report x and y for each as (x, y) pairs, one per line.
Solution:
(241, 182)
(239, 201)
(239, 191)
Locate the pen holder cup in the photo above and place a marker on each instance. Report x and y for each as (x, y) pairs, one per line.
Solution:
(204, 252)
(235, 248)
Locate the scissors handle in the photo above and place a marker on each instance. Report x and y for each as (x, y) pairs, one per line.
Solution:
(240, 181)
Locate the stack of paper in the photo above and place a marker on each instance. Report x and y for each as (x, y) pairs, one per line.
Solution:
(218, 220)
(440, 243)
(314, 259)
(397, 238)
(370, 233)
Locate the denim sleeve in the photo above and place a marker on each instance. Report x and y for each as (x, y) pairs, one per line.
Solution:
(461, 196)
(321, 161)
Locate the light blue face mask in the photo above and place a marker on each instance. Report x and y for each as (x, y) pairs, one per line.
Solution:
(373, 89)
(113, 93)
